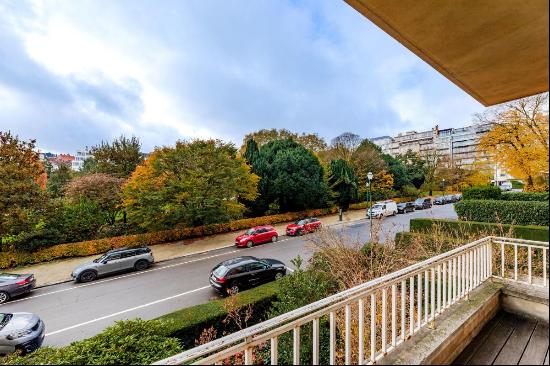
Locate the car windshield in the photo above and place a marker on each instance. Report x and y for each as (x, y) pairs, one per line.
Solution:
(420, 200)
(377, 207)
(220, 271)
(97, 260)
(250, 231)
(300, 222)
(4, 319)
(400, 205)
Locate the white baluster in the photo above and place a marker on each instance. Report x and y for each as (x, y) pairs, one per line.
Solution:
(315, 350)
(296, 346)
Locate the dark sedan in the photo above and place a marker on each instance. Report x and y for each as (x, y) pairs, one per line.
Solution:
(405, 207)
(12, 285)
(423, 203)
(441, 200)
(234, 275)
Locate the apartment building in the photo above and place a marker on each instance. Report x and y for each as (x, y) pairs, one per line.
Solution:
(458, 144)
(81, 156)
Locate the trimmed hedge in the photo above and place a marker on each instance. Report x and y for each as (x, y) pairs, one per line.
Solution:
(187, 324)
(505, 212)
(482, 193)
(539, 233)
(525, 196)
(93, 247)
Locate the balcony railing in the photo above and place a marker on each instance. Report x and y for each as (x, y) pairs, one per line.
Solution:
(368, 321)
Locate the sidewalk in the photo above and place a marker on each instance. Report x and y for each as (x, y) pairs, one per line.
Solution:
(60, 271)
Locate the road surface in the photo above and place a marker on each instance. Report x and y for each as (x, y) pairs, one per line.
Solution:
(77, 311)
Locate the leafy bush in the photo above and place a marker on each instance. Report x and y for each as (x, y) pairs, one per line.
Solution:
(187, 324)
(539, 233)
(482, 193)
(130, 342)
(405, 239)
(505, 212)
(525, 196)
(92, 247)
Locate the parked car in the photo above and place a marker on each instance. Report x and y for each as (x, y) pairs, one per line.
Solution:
(12, 285)
(257, 235)
(382, 209)
(506, 186)
(303, 226)
(20, 331)
(114, 261)
(451, 198)
(234, 275)
(422, 203)
(458, 197)
(440, 200)
(405, 207)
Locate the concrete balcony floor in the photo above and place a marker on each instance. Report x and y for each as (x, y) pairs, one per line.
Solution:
(508, 339)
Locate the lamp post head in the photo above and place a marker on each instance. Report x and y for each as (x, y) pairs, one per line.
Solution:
(369, 175)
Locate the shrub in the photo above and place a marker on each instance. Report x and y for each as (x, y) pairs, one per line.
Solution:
(539, 233)
(93, 247)
(130, 342)
(482, 193)
(188, 324)
(525, 196)
(505, 212)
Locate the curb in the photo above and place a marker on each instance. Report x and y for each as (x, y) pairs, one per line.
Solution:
(197, 253)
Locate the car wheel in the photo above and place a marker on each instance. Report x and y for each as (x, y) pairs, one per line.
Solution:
(250, 244)
(274, 238)
(141, 265)
(278, 276)
(87, 276)
(4, 297)
(299, 233)
(233, 290)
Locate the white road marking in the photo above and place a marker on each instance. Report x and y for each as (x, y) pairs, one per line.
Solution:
(126, 311)
(119, 277)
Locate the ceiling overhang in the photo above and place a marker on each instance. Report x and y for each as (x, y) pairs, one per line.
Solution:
(495, 50)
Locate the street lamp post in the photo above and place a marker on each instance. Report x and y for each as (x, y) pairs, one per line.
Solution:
(369, 179)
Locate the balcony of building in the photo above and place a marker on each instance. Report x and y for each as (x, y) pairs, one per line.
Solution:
(483, 303)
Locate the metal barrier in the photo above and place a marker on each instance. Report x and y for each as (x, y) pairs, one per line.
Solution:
(400, 304)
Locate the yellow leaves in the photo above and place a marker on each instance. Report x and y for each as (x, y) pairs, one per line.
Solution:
(518, 140)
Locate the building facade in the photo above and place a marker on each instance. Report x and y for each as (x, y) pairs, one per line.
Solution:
(81, 156)
(459, 145)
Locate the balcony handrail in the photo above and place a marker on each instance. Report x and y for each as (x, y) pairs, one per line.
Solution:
(258, 332)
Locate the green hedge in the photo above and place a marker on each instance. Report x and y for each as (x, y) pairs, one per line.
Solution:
(525, 196)
(141, 342)
(187, 324)
(482, 193)
(504, 212)
(539, 233)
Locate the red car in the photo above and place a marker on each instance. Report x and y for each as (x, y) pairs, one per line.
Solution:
(303, 226)
(257, 235)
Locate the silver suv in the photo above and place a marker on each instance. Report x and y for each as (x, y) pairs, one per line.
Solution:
(116, 260)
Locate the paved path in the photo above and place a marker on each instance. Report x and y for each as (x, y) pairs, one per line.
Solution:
(76, 311)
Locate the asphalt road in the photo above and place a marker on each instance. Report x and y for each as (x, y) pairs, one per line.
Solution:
(76, 311)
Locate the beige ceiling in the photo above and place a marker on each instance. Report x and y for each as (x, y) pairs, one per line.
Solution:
(495, 50)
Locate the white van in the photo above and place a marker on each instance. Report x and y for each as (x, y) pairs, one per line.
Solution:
(382, 209)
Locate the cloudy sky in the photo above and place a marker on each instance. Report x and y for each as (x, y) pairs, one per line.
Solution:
(75, 72)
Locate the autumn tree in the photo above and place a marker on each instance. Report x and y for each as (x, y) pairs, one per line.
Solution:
(310, 141)
(518, 139)
(365, 158)
(100, 189)
(343, 146)
(194, 183)
(343, 183)
(21, 197)
(119, 157)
